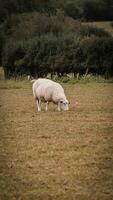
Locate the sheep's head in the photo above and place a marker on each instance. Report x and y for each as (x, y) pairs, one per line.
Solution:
(64, 105)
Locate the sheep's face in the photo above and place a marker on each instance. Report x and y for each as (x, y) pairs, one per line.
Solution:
(64, 105)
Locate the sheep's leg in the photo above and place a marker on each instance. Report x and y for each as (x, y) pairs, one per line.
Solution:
(46, 108)
(38, 103)
(58, 106)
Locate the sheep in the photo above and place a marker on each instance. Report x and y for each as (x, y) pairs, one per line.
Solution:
(36, 83)
(45, 90)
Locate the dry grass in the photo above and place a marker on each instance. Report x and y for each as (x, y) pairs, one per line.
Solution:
(56, 155)
(104, 25)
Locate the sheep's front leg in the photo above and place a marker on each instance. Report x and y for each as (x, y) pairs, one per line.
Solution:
(58, 108)
(38, 103)
(46, 108)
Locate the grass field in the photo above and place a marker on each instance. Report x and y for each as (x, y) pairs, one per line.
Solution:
(103, 25)
(56, 155)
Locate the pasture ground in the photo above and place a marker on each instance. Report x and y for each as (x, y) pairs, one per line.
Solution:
(56, 155)
(106, 25)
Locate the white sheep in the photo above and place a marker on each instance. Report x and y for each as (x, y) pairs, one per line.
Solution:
(45, 90)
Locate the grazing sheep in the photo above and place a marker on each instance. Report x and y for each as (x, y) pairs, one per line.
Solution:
(45, 90)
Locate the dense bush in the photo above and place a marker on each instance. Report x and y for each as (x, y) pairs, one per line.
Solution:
(112, 24)
(84, 9)
(71, 10)
(34, 24)
(52, 41)
(98, 10)
(61, 55)
(13, 53)
(1, 46)
(40, 43)
(9, 7)
(19, 27)
(98, 54)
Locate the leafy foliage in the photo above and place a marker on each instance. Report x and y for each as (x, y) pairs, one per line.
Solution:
(84, 9)
(52, 41)
(61, 55)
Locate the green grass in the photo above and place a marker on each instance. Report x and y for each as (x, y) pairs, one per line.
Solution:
(84, 79)
(56, 155)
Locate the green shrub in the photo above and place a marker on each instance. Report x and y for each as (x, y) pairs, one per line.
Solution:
(112, 24)
(13, 53)
(98, 54)
(65, 54)
(72, 10)
(98, 10)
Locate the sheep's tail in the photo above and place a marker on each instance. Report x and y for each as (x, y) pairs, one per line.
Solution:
(33, 88)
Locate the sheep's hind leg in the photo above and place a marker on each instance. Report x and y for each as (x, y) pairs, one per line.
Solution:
(38, 103)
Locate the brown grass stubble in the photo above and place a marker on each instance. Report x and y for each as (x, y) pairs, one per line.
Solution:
(57, 155)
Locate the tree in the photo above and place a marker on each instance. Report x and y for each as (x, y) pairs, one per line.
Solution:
(71, 10)
(98, 10)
